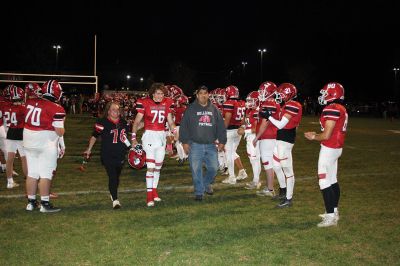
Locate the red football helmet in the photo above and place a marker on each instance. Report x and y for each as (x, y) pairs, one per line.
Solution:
(33, 90)
(285, 92)
(267, 89)
(232, 92)
(174, 92)
(53, 89)
(183, 99)
(7, 91)
(252, 100)
(137, 157)
(220, 96)
(330, 92)
(17, 94)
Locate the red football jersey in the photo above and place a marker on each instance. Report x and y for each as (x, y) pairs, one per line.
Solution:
(237, 109)
(40, 114)
(338, 113)
(251, 118)
(17, 116)
(5, 109)
(179, 113)
(294, 109)
(155, 114)
(275, 109)
(2, 105)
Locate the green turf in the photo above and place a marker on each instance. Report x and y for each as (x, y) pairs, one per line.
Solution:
(233, 226)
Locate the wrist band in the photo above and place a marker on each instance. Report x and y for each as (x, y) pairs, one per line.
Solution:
(133, 136)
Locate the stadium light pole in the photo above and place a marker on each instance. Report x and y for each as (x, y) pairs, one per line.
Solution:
(57, 47)
(141, 83)
(244, 66)
(395, 69)
(261, 51)
(128, 77)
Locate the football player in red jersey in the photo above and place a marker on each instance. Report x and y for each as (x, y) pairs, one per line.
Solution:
(156, 111)
(265, 138)
(113, 130)
(249, 132)
(181, 105)
(233, 113)
(333, 122)
(44, 125)
(3, 152)
(14, 134)
(290, 118)
(5, 113)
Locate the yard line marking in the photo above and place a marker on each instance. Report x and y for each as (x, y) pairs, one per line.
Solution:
(170, 188)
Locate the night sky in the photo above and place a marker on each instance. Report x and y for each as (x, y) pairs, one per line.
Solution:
(309, 43)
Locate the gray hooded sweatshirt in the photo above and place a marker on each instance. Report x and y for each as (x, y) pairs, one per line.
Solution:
(202, 124)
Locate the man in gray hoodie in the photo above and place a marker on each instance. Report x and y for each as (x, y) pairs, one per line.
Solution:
(202, 126)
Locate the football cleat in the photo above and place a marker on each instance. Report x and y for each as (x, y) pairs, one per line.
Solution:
(328, 220)
(265, 192)
(31, 205)
(47, 207)
(150, 204)
(285, 203)
(12, 185)
(241, 175)
(116, 204)
(253, 185)
(230, 180)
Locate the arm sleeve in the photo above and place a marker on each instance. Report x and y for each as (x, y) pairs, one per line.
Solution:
(279, 123)
(184, 127)
(221, 130)
(98, 128)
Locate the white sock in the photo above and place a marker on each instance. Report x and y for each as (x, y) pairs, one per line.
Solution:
(290, 187)
(32, 197)
(335, 210)
(280, 176)
(256, 166)
(45, 198)
(149, 180)
(10, 180)
(156, 178)
(179, 150)
(3, 167)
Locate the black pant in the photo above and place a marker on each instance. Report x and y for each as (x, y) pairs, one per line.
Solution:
(113, 172)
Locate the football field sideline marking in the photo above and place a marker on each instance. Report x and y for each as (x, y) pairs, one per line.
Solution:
(169, 188)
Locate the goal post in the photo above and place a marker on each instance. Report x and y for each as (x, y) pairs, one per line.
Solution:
(42, 78)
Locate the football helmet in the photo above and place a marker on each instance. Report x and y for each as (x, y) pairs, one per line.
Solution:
(220, 95)
(266, 90)
(330, 92)
(33, 90)
(252, 101)
(232, 92)
(7, 91)
(16, 94)
(285, 92)
(137, 157)
(53, 89)
(183, 99)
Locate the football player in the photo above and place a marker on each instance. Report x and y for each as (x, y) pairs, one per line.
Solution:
(265, 139)
(113, 130)
(14, 134)
(156, 111)
(290, 118)
(44, 125)
(233, 113)
(180, 108)
(333, 122)
(249, 132)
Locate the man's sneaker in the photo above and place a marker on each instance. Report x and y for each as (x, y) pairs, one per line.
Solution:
(265, 192)
(241, 175)
(322, 215)
(281, 196)
(116, 204)
(198, 197)
(230, 180)
(209, 190)
(46, 206)
(328, 220)
(12, 185)
(150, 204)
(31, 205)
(225, 171)
(253, 185)
(285, 203)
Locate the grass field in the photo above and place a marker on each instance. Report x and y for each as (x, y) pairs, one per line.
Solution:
(234, 226)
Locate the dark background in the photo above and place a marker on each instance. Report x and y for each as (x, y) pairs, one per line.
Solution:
(188, 43)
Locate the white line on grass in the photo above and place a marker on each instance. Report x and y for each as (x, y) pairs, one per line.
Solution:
(180, 188)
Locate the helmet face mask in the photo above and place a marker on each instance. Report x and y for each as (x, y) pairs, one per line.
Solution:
(285, 92)
(331, 92)
(266, 90)
(252, 100)
(137, 157)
